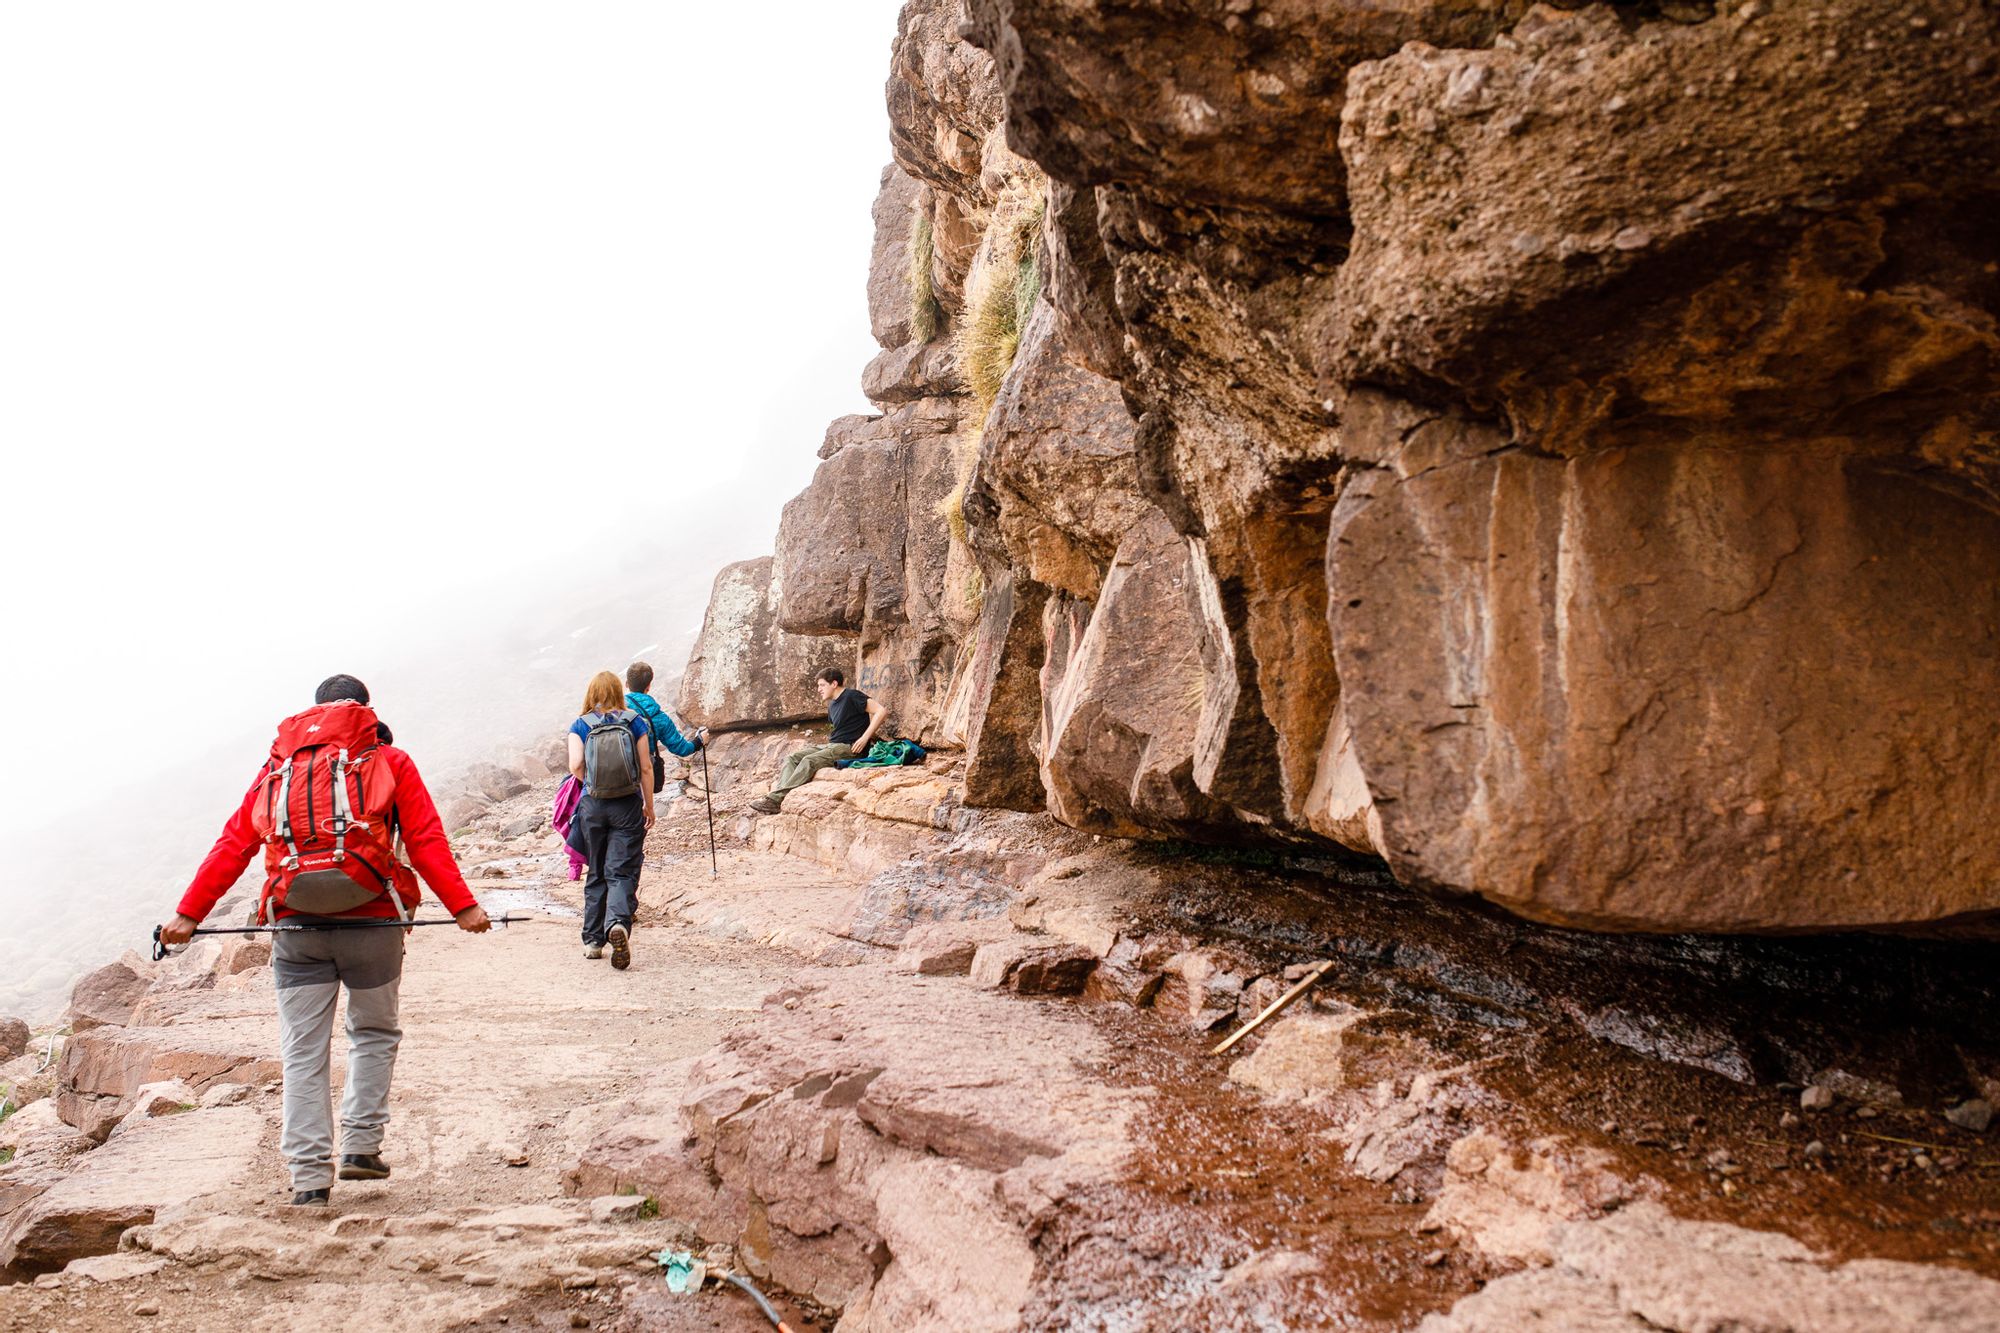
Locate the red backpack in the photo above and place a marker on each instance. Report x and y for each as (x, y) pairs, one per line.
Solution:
(327, 815)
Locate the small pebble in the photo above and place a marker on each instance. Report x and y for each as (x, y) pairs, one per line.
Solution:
(578, 1319)
(1729, 1169)
(148, 1309)
(1867, 1112)
(1608, 1127)
(1815, 1149)
(1816, 1098)
(1789, 1120)
(1434, 1258)
(480, 1279)
(1922, 1161)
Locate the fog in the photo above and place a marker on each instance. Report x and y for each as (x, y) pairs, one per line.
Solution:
(455, 346)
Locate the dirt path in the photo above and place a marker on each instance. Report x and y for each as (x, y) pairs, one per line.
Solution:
(516, 1049)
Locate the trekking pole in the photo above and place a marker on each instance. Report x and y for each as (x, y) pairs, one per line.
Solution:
(160, 950)
(708, 796)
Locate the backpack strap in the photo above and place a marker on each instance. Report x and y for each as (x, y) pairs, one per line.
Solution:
(285, 814)
(341, 811)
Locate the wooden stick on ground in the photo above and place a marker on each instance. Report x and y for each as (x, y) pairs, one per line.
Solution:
(1274, 1007)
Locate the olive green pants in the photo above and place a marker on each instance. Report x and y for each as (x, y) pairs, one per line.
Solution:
(800, 765)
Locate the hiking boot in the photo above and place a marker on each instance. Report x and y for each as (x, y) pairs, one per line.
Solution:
(312, 1198)
(621, 948)
(363, 1166)
(764, 805)
(593, 951)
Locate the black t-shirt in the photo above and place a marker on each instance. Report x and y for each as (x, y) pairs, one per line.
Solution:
(849, 714)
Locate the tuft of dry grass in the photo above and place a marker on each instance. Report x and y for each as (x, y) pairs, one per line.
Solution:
(1000, 294)
(1001, 291)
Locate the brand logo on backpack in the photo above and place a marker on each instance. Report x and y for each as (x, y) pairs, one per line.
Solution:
(326, 814)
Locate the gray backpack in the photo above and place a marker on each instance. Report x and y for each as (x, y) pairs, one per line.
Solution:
(610, 755)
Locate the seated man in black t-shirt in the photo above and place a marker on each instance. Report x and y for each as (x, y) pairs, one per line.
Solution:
(855, 718)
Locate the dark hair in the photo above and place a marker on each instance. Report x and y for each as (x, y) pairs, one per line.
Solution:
(831, 675)
(335, 688)
(639, 677)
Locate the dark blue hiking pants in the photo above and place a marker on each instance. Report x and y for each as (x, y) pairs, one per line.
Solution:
(611, 834)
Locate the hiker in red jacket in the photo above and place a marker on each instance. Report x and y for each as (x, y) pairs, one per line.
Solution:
(330, 808)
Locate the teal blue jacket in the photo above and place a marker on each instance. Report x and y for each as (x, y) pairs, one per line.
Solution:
(663, 726)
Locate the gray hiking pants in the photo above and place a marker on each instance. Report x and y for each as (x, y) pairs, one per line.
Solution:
(800, 765)
(310, 967)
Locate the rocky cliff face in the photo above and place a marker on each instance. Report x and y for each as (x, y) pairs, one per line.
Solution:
(1553, 449)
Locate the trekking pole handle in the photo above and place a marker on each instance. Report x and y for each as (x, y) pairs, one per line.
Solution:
(159, 949)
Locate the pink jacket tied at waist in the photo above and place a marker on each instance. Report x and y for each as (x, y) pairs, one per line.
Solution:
(568, 797)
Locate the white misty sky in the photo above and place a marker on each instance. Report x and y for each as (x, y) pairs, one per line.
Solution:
(320, 321)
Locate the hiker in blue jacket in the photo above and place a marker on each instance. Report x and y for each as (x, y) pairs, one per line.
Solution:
(639, 679)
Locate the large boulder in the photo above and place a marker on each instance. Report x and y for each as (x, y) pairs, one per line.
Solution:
(1595, 718)
(744, 668)
(14, 1038)
(105, 997)
(494, 782)
(865, 553)
(103, 1070)
(841, 541)
(1056, 480)
(157, 1164)
(1119, 756)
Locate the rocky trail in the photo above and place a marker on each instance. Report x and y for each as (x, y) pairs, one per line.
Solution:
(919, 1066)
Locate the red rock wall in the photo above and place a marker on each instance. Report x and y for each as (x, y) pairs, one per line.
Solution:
(1555, 449)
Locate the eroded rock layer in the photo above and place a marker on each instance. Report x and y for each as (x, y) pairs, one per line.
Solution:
(1555, 449)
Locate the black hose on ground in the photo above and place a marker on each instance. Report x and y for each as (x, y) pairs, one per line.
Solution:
(758, 1297)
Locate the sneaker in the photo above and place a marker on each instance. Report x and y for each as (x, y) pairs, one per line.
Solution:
(593, 951)
(764, 805)
(363, 1166)
(312, 1198)
(621, 948)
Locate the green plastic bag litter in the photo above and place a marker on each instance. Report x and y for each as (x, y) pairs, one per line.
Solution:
(685, 1273)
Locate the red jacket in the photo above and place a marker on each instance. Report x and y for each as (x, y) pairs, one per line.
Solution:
(423, 839)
